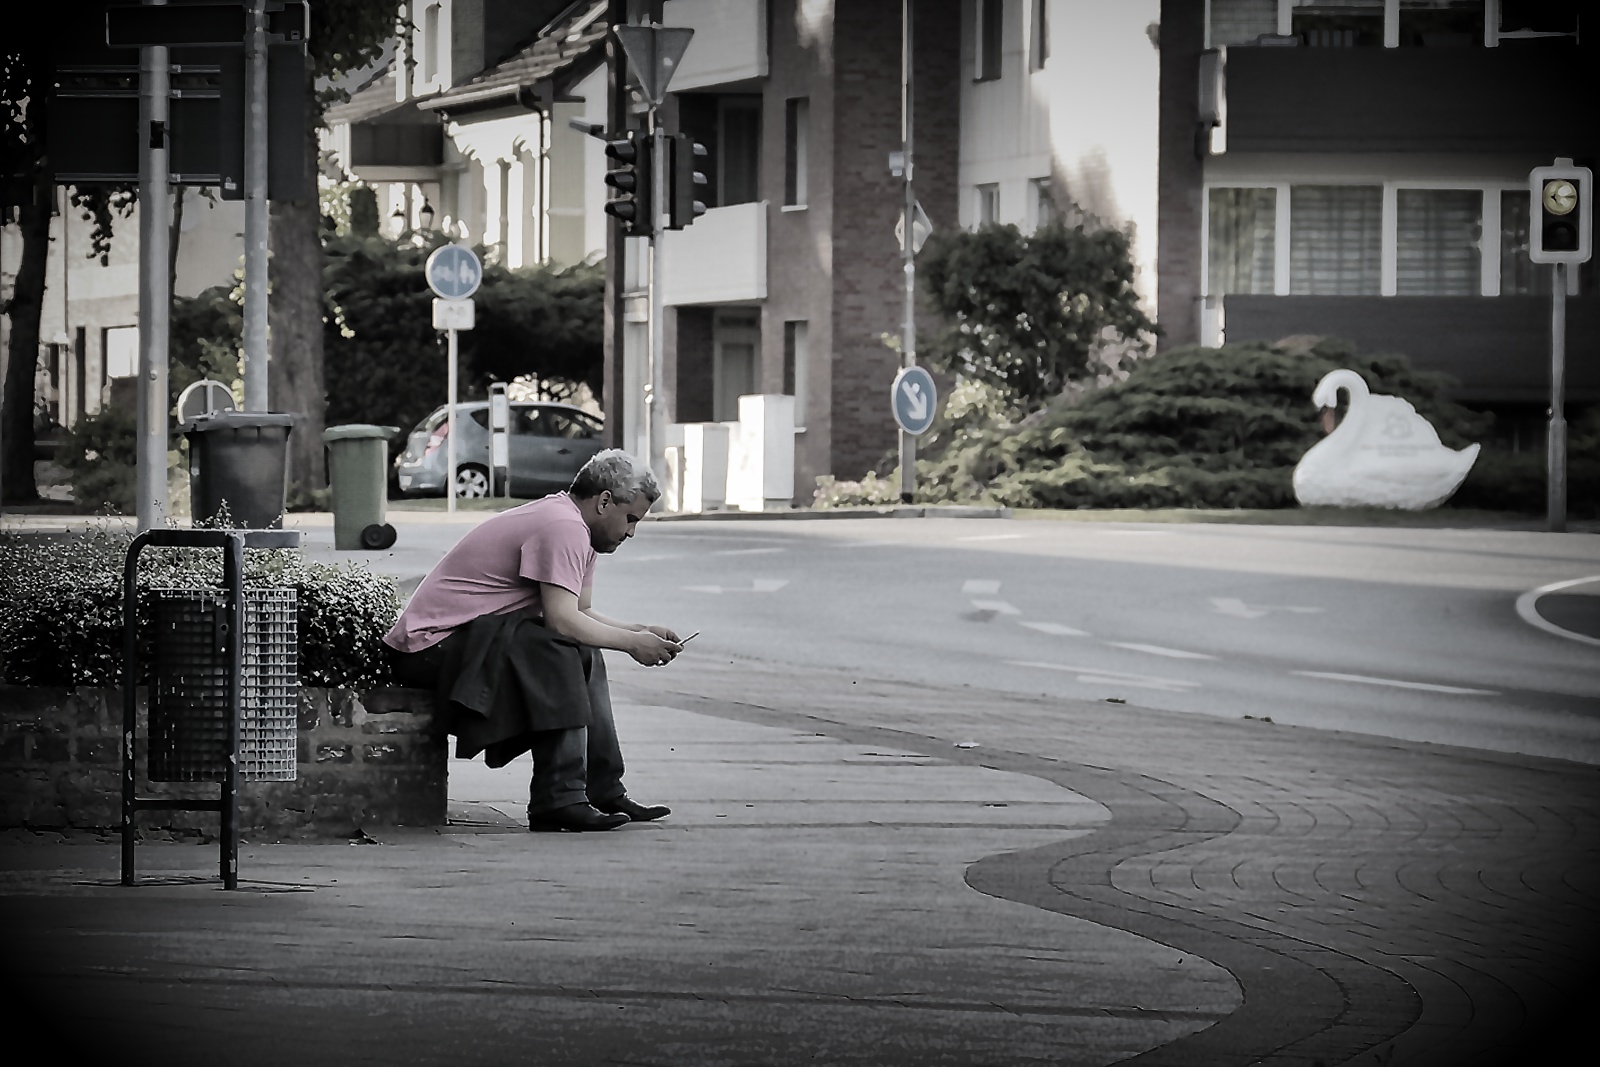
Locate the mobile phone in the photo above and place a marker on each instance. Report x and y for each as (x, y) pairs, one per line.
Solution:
(691, 637)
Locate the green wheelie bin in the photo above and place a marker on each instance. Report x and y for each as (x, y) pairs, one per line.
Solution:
(358, 467)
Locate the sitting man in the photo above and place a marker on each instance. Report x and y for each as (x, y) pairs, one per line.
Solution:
(503, 630)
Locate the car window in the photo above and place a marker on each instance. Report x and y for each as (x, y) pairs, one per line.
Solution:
(528, 420)
(567, 424)
(481, 417)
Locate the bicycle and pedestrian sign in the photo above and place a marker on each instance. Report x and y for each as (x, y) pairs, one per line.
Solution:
(453, 272)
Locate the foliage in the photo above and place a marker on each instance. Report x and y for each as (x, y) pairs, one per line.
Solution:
(205, 335)
(100, 456)
(61, 608)
(386, 364)
(1029, 314)
(871, 491)
(1200, 428)
(363, 211)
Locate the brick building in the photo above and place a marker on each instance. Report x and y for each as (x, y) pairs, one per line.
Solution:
(1359, 169)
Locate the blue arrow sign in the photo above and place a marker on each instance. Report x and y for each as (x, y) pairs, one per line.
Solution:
(453, 272)
(914, 400)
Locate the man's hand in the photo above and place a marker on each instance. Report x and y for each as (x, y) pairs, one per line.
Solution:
(665, 633)
(653, 650)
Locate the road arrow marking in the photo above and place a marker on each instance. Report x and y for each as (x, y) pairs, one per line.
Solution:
(757, 585)
(979, 587)
(1055, 629)
(1097, 676)
(1397, 683)
(1240, 610)
(1157, 650)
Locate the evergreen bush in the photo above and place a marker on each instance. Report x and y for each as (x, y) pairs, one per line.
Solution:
(61, 608)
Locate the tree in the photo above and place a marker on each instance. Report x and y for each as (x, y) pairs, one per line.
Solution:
(1027, 313)
(345, 36)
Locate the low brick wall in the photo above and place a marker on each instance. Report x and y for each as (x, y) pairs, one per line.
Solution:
(367, 758)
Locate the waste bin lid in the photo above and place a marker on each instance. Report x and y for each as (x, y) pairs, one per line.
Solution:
(356, 430)
(237, 420)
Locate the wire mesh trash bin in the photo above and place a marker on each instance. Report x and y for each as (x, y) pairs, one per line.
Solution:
(358, 475)
(224, 687)
(239, 460)
(189, 696)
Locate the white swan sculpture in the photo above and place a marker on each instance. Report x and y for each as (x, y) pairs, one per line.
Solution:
(1381, 454)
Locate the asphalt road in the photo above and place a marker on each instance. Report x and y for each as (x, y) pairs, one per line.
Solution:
(1406, 633)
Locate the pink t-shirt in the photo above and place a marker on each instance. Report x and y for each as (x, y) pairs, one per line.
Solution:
(496, 569)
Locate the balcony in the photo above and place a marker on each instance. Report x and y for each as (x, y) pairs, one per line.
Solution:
(729, 45)
(721, 259)
(1497, 347)
(1520, 97)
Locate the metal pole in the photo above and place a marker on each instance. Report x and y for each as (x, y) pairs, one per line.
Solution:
(908, 346)
(130, 711)
(450, 431)
(233, 578)
(255, 209)
(155, 289)
(1557, 480)
(656, 416)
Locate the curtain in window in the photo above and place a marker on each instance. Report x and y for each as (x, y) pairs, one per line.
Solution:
(1241, 250)
(1242, 21)
(1335, 240)
(1437, 242)
(1519, 275)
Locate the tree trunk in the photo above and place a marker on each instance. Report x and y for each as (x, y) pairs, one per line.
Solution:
(22, 360)
(294, 375)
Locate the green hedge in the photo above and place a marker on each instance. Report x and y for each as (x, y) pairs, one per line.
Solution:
(61, 608)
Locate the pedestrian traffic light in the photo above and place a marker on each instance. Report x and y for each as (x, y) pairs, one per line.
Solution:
(1560, 215)
(630, 176)
(683, 202)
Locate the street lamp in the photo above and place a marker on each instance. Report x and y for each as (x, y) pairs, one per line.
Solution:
(425, 215)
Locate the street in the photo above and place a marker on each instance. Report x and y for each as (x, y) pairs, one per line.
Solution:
(1406, 633)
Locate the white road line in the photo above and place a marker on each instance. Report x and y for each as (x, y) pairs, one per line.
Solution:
(979, 587)
(1531, 616)
(1157, 650)
(1000, 607)
(746, 551)
(1055, 629)
(865, 544)
(992, 537)
(1427, 687)
(1101, 676)
(1227, 605)
(757, 585)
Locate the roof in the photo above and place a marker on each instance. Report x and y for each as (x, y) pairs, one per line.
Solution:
(572, 37)
(375, 100)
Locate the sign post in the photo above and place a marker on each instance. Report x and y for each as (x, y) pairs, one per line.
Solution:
(453, 273)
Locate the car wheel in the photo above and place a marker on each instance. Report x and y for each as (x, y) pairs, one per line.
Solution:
(472, 481)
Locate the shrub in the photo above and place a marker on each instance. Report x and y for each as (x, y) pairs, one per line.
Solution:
(61, 608)
(99, 456)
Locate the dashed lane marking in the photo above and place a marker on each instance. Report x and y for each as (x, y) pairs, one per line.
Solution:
(992, 537)
(1098, 675)
(1158, 650)
(1427, 687)
(1238, 609)
(746, 551)
(757, 585)
(1055, 629)
(999, 607)
(980, 587)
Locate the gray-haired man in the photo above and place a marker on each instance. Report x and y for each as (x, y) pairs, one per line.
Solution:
(504, 629)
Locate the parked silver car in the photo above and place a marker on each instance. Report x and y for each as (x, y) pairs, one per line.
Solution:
(547, 445)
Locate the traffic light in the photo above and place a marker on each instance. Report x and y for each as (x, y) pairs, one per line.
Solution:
(630, 176)
(683, 201)
(1561, 196)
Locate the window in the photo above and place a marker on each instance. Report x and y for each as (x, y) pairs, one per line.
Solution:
(1242, 245)
(794, 368)
(1341, 24)
(121, 351)
(988, 204)
(1440, 23)
(797, 119)
(1538, 18)
(987, 58)
(1044, 203)
(1335, 240)
(1041, 34)
(1241, 21)
(738, 149)
(1437, 242)
(1519, 275)
(430, 43)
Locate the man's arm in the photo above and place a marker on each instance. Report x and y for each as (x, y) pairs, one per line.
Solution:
(586, 606)
(564, 613)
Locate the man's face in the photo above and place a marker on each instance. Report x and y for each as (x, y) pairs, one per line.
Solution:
(616, 521)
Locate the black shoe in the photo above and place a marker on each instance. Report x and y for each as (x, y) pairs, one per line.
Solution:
(575, 818)
(634, 811)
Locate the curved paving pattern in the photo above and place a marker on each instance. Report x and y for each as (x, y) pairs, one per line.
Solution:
(1378, 901)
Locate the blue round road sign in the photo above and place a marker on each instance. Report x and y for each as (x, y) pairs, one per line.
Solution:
(914, 400)
(453, 271)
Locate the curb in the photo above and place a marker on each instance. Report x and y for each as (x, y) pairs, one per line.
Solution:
(899, 511)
